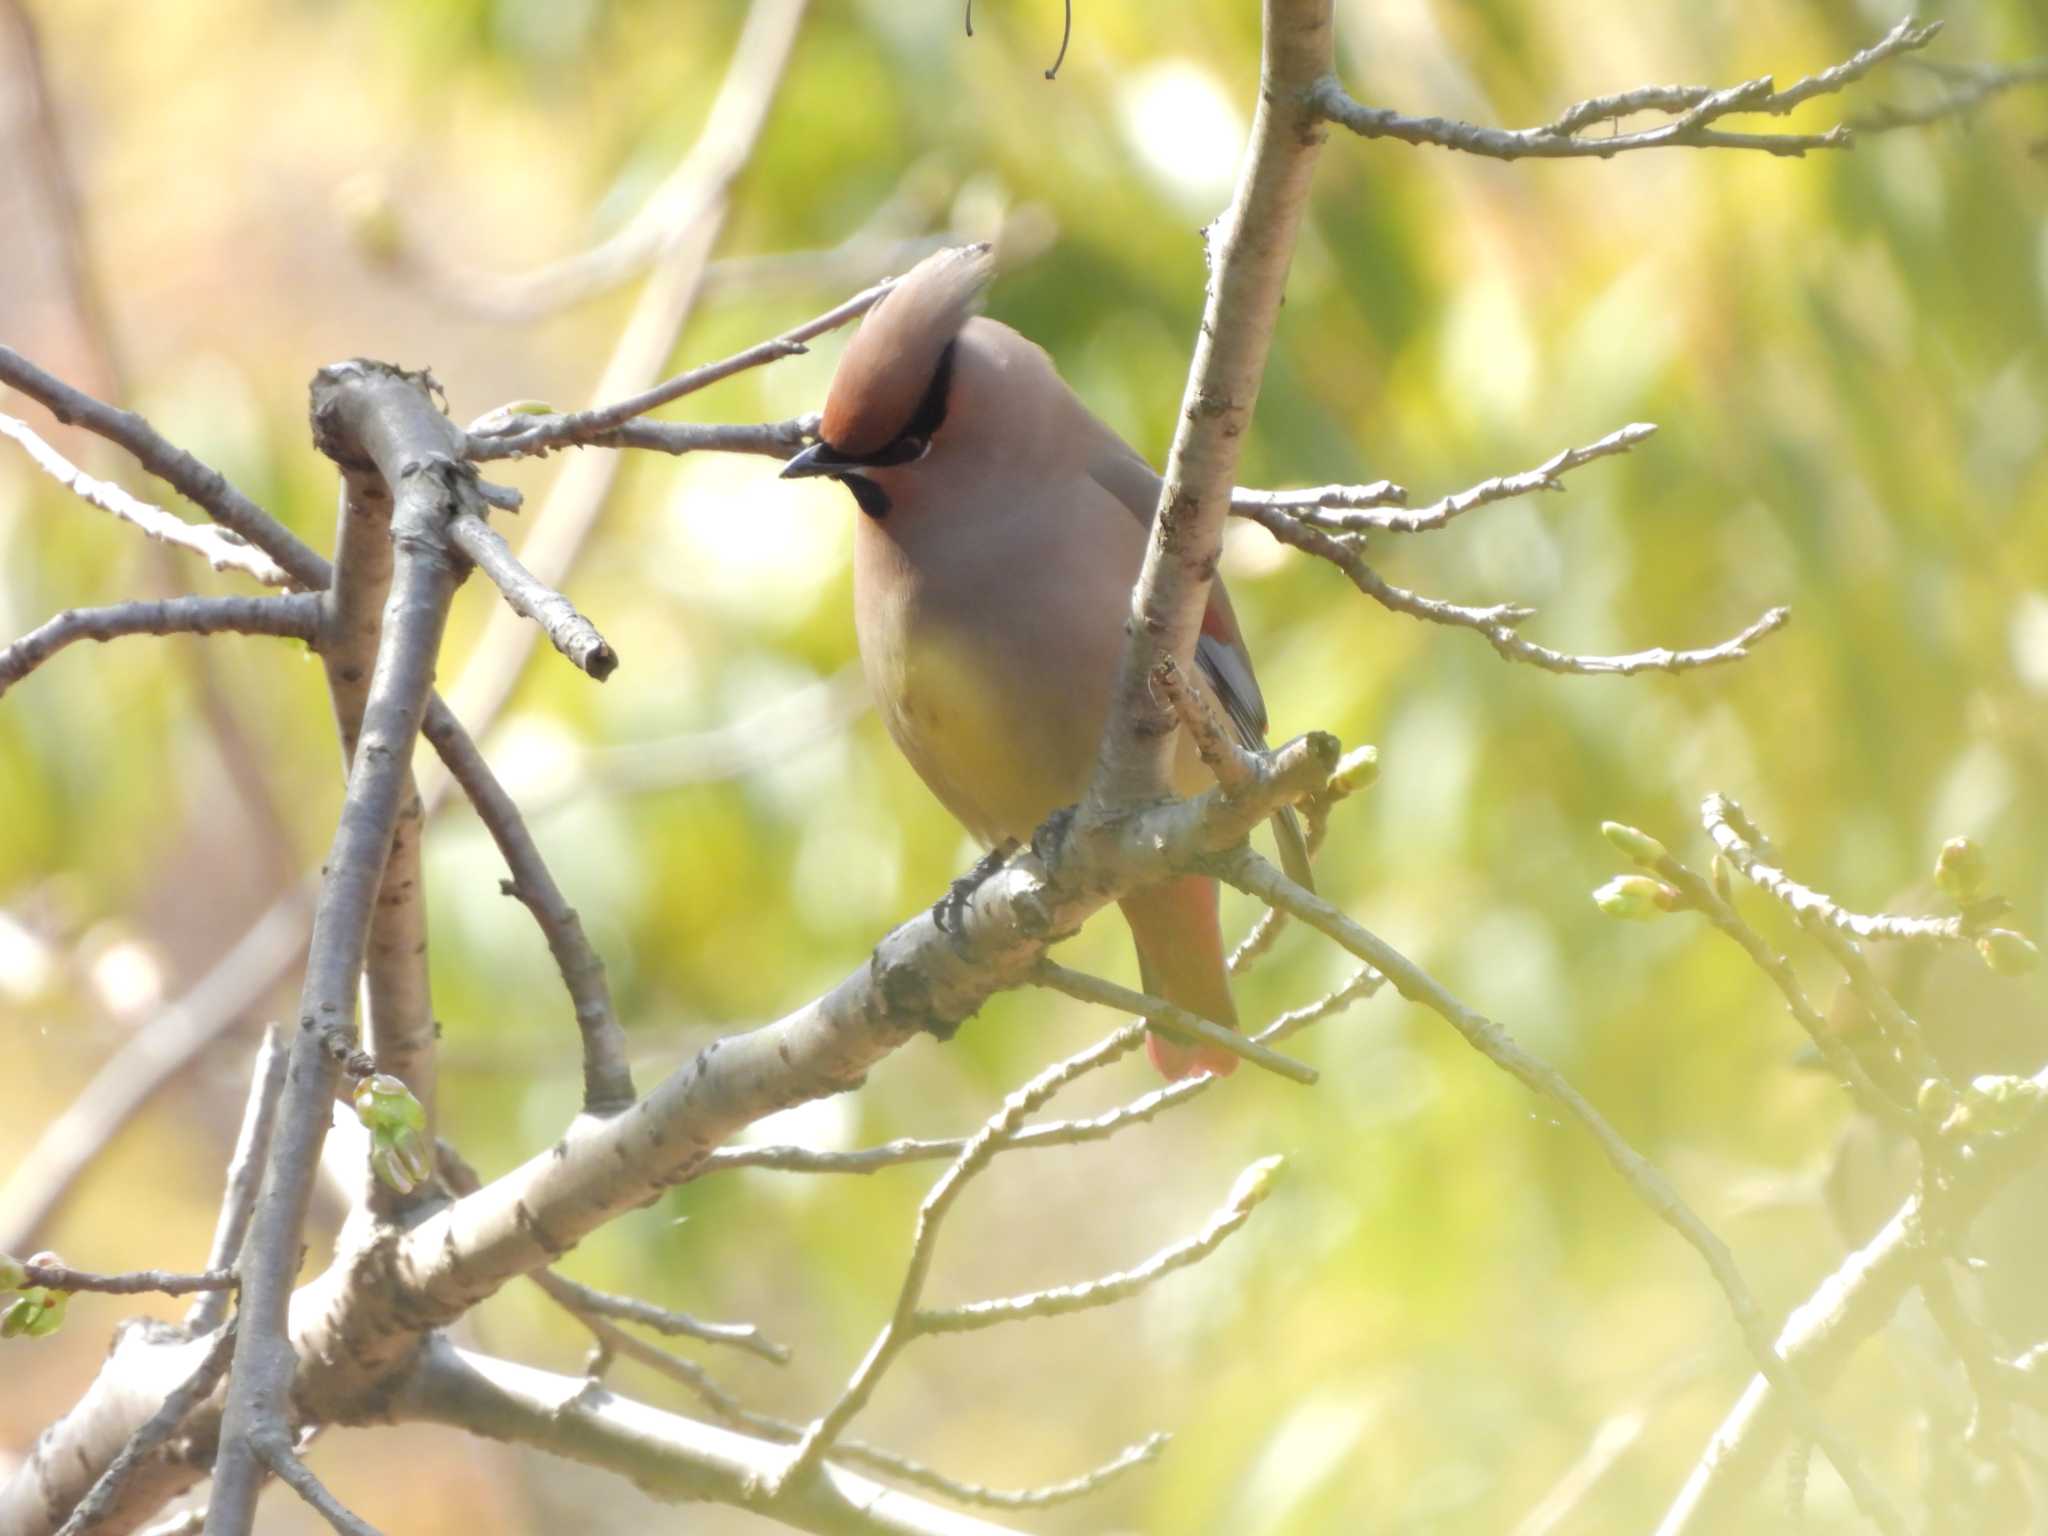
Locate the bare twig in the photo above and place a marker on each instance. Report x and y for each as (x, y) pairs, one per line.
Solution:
(99, 1501)
(1694, 111)
(1848, 1307)
(1700, 896)
(769, 439)
(140, 1282)
(902, 1325)
(1498, 622)
(203, 487)
(522, 435)
(278, 1455)
(1971, 85)
(1236, 767)
(1544, 477)
(588, 1302)
(1247, 871)
(1252, 1186)
(1737, 839)
(850, 1452)
(573, 635)
(218, 547)
(245, 1173)
(607, 1078)
(1057, 1133)
(1332, 498)
(292, 615)
(1171, 1020)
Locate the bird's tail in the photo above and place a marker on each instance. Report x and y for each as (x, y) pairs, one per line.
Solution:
(1180, 958)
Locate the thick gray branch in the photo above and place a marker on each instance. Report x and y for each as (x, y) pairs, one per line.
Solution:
(366, 416)
(665, 1455)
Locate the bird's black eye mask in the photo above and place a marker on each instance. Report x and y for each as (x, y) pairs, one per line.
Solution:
(906, 447)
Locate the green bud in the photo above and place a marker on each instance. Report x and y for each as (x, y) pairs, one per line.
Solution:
(1636, 898)
(1358, 769)
(400, 1160)
(34, 1314)
(2007, 953)
(50, 1317)
(387, 1106)
(1633, 841)
(1960, 871)
(13, 1273)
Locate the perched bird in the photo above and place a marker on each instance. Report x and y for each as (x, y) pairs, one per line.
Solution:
(1002, 529)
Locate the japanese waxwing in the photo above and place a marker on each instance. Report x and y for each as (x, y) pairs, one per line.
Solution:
(1002, 527)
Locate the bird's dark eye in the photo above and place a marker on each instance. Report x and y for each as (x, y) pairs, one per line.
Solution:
(871, 498)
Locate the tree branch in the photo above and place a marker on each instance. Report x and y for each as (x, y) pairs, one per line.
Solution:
(1250, 250)
(219, 548)
(293, 616)
(573, 635)
(665, 1455)
(244, 1175)
(205, 488)
(364, 415)
(1694, 111)
(1248, 872)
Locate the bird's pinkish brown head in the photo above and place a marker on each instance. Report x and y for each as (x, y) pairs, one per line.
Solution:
(889, 394)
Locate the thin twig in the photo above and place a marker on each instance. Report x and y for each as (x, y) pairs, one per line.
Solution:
(277, 1454)
(1172, 1020)
(607, 1077)
(1693, 109)
(244, 1175)
(290, 615)
(586, 1301)
(573, 635)
(1700, 896)
(139, 1282)
(1248, 872)
(153, 1432)
(524, 435)
(1497, 623)
(205, 488)
(1973, 85)
(1738, 841)
(1253, 1185)
(901, 1326)
(1544, 477)
(218, 547)
(1056, 1133)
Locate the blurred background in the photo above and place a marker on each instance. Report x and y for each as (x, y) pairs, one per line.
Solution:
(1451, 1297)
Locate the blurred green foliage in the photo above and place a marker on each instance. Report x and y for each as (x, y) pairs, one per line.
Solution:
(1450, 1292)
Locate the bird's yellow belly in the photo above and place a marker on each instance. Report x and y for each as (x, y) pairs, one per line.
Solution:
(989, 746)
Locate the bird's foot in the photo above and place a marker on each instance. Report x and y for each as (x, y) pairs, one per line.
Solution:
(950, 908)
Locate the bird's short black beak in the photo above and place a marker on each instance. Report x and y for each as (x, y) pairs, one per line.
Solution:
(819, 459)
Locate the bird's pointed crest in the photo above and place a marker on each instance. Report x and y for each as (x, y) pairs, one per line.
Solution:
(887, 368)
